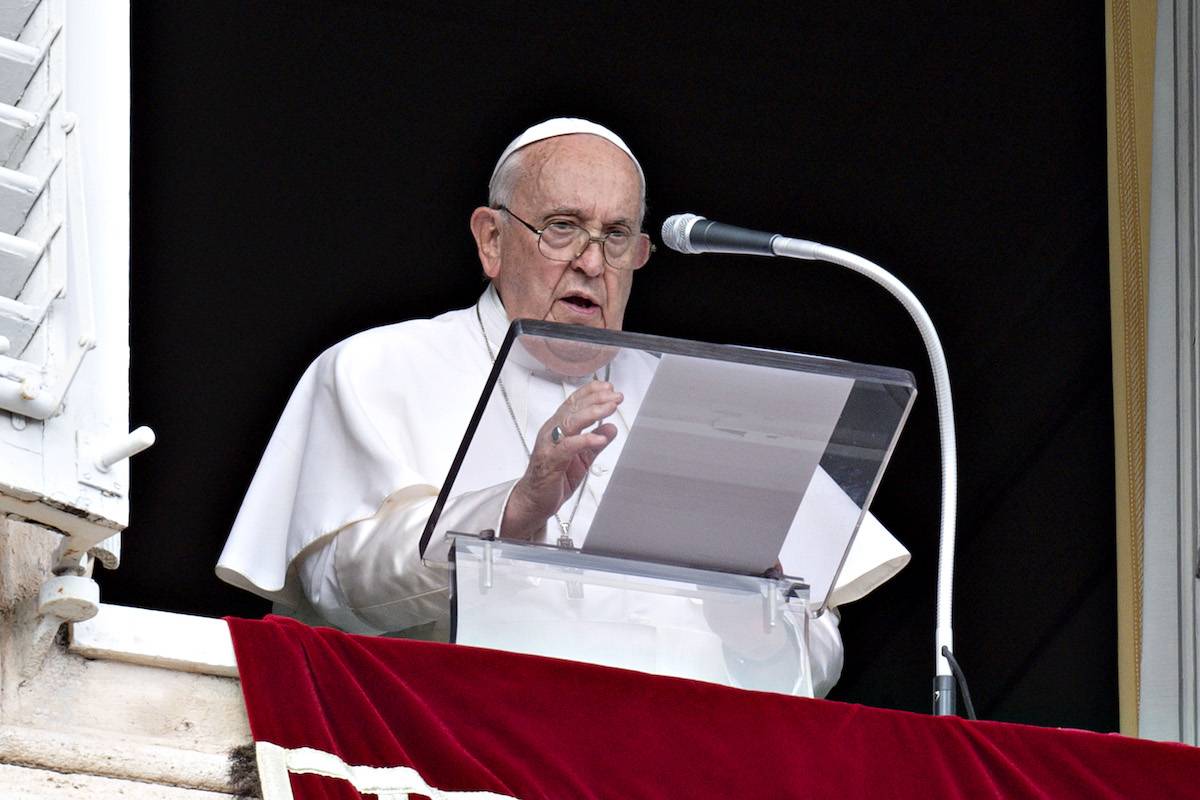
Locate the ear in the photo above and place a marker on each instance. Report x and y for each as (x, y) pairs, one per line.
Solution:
(485, 227)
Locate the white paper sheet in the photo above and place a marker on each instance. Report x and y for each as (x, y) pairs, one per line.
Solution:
(716, 464)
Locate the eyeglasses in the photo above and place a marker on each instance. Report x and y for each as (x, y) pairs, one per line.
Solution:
(565, 241)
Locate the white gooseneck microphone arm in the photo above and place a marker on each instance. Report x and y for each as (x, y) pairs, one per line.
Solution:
(689, 233)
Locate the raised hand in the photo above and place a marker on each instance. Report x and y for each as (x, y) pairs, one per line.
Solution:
(556, 468)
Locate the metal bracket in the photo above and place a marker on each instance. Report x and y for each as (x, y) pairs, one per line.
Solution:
(95, 458)
(86, 447)
(70, 594)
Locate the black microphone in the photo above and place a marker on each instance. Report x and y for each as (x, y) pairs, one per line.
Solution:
(689, 233)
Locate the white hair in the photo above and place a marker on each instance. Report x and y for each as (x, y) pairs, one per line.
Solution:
(504, 182)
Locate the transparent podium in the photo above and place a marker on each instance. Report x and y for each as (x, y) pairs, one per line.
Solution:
(704, 541)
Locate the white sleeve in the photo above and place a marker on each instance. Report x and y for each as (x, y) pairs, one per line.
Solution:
(769, 660)
(825, 653)
(369, 577)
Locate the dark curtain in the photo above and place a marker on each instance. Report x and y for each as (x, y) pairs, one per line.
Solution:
(305, 170)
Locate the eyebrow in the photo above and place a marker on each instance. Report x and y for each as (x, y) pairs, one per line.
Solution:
(569, 211)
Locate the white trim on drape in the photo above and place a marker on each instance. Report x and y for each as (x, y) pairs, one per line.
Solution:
(388, 783)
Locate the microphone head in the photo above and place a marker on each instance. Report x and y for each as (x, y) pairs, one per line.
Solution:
(676, 230)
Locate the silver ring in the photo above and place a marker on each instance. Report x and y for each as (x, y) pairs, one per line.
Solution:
(556, 434)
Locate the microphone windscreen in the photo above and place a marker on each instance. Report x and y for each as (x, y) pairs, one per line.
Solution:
(675, 231)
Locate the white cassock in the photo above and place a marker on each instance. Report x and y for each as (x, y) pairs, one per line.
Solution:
(333, 518)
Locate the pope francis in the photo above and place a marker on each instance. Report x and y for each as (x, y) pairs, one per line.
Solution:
(330, 526)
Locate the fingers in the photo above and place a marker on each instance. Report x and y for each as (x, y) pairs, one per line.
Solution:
(590, 445)
(607, 431)
(578, 413)
(556, 469)
(587, 445)
(585, 407)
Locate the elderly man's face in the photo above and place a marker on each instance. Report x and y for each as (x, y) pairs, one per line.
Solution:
(581, 179)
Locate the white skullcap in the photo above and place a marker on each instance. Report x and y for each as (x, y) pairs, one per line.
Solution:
(562, 126)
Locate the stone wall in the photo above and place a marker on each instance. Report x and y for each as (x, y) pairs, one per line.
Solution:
(74, 727)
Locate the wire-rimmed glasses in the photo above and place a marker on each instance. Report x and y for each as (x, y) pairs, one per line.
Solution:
(565, 241)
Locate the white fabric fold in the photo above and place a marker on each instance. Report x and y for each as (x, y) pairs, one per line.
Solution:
(376, 416)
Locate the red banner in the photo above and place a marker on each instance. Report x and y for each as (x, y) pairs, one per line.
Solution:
(398, 718)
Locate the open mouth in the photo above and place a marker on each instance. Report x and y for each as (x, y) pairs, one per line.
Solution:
(581, 304)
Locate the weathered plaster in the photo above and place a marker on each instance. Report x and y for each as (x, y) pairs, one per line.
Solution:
(73, 723)
(22, 783)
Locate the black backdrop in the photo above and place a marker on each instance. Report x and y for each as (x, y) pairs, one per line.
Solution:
(305, 170)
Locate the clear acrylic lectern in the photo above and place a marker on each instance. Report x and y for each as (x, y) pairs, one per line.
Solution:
(702, 539)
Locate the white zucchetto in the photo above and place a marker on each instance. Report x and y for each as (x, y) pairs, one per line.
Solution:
(563, 126)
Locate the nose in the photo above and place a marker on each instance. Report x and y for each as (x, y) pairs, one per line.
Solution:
(591, 259)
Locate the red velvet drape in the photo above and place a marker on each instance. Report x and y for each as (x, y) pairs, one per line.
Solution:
(530, 727)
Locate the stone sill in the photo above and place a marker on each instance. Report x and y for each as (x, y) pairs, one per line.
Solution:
(156, 639)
